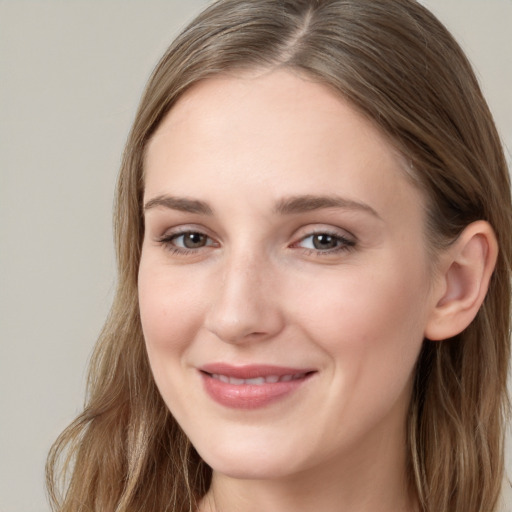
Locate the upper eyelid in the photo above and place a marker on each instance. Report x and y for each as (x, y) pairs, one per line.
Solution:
(187, 228)
(168, 236)
(329, 233)
(328, 230)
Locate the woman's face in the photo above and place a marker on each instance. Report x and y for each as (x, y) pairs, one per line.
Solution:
(284, 283)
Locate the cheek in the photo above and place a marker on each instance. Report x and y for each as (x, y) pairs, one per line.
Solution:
(363, 307)
(169, 310)
(170, 318)
(371, 326)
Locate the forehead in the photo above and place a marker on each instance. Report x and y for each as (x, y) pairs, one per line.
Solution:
(277, 128)
(247, 101)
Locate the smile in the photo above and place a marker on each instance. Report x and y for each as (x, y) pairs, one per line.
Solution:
(257, 381)
(253, 386)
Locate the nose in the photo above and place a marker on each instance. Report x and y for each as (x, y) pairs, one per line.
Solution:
(245, 305)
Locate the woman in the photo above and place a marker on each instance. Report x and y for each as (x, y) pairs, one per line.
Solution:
(313, 227)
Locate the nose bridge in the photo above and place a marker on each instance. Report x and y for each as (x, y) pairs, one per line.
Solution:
(244, 305)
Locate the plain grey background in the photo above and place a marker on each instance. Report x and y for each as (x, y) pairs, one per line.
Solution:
(71, 74)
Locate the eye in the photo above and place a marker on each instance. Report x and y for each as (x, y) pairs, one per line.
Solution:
(325, 242)
(190, 240)
(321, 241)
(186, 241)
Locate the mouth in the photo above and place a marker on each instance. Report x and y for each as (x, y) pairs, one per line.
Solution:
(252, 386)
(257, 381)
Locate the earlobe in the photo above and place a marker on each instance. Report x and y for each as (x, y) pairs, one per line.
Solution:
(461, 286)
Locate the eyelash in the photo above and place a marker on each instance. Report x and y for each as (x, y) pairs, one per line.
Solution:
(344, 244)
(168, 241)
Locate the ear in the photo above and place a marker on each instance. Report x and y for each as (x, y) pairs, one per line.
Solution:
(464, 272)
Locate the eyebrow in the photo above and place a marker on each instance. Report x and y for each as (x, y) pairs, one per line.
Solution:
(181, 204)
(286, 206)
(306, 203)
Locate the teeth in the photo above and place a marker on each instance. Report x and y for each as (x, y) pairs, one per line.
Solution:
(257, 381)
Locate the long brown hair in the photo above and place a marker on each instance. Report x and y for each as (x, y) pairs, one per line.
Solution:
(398, 65)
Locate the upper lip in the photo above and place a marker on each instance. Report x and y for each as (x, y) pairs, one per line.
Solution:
(251, 371)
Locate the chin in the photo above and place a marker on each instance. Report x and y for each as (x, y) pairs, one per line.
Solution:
(249, 463)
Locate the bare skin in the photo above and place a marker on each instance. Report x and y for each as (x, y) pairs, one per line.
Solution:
(281, 229)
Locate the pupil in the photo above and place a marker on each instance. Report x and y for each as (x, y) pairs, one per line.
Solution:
(194, 240)
(324, 242)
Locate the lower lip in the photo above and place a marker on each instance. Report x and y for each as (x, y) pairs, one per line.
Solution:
(249, 396)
